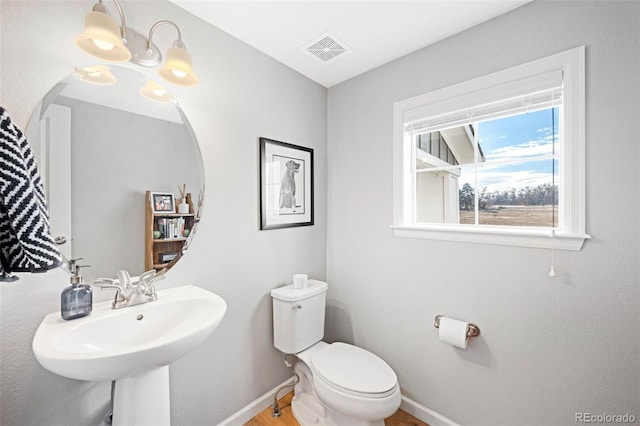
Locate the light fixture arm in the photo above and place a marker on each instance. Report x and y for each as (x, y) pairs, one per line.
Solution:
(177, 43)
(100, 7)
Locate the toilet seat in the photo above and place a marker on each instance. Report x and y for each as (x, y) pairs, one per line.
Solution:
(354, 371)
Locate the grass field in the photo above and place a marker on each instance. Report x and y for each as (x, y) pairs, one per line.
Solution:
(514, 216)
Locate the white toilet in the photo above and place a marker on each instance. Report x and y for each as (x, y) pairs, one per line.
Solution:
(340, 384)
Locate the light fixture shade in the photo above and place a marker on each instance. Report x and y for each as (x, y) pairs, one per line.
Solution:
(97, 74)
(102, 38)
(155, 92)
(178, 69)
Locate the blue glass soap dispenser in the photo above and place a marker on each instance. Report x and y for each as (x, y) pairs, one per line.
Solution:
(76, 301)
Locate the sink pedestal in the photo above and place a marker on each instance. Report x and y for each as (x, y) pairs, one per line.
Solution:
(143, 400)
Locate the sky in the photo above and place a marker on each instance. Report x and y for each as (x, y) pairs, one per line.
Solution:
(519, 139)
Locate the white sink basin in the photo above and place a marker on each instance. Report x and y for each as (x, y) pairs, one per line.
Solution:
(112, 344)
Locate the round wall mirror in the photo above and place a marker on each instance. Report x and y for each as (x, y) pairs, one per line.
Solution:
(118, 156)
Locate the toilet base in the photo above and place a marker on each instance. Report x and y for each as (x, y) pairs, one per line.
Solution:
(309, 411)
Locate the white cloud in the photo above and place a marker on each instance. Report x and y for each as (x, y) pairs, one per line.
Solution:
(494, 176)
(540, 146)
(505, 180)
(528, 149)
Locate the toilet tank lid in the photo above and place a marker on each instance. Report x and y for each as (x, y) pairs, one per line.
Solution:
(290, 294)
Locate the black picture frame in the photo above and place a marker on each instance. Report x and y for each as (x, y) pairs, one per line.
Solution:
(162, 202)
(286, 185)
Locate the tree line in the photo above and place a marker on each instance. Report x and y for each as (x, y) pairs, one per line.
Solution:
(541, 195)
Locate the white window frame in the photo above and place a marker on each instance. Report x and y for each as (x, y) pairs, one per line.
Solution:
(571, 234)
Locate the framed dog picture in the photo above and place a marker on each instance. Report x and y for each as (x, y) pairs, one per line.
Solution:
(162, 202)
(286, 185)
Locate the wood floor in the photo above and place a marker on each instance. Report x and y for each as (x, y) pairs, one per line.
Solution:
(400, 418)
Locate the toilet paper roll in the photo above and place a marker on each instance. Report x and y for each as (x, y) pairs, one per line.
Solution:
(454, 332)
(300, 281)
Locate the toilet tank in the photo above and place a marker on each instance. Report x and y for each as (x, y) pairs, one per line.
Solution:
(298, 316)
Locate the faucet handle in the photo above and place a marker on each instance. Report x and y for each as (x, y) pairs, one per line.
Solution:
(151, 276)
(125, 279)
(147, 279)
(107, 283)
(146, 276)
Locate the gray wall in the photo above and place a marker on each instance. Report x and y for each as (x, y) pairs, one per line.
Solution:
(242, 95)
(549, 347)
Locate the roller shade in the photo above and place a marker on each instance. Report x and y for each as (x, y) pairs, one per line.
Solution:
(518, 97)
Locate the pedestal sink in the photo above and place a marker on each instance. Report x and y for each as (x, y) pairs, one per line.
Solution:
(133, 346)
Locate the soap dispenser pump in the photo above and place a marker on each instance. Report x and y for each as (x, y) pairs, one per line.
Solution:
(76, 301)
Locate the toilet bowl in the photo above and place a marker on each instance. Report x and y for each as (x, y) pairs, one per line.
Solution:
(354, 386)
(340, 384)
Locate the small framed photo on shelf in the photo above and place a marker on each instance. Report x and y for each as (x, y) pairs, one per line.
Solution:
(286, 185)
(162, 202)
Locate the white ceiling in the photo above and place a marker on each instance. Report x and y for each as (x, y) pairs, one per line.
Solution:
(377, 32)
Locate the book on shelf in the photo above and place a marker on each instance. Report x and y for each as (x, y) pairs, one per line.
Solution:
(171, 228)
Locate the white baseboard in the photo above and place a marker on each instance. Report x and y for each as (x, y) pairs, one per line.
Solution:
(253, 409)
(256, 407)
(425, 414)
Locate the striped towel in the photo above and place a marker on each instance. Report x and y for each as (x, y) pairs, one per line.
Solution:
(26, 244)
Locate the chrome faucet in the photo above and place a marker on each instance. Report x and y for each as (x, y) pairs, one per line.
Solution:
(128, 292)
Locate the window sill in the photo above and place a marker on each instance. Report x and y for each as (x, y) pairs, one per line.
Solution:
(518, 237)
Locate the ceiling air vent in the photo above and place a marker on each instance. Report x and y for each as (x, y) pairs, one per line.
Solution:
(327, 48)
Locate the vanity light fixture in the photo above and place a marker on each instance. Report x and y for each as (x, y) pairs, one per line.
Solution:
(155, 92)
(97, 74)
(104, 38)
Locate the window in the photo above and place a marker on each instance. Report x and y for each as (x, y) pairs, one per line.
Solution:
(499, 159)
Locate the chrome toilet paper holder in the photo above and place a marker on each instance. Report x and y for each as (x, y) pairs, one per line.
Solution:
(472, 331)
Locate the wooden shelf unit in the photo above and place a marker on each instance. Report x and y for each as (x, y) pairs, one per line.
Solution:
(154, 247)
